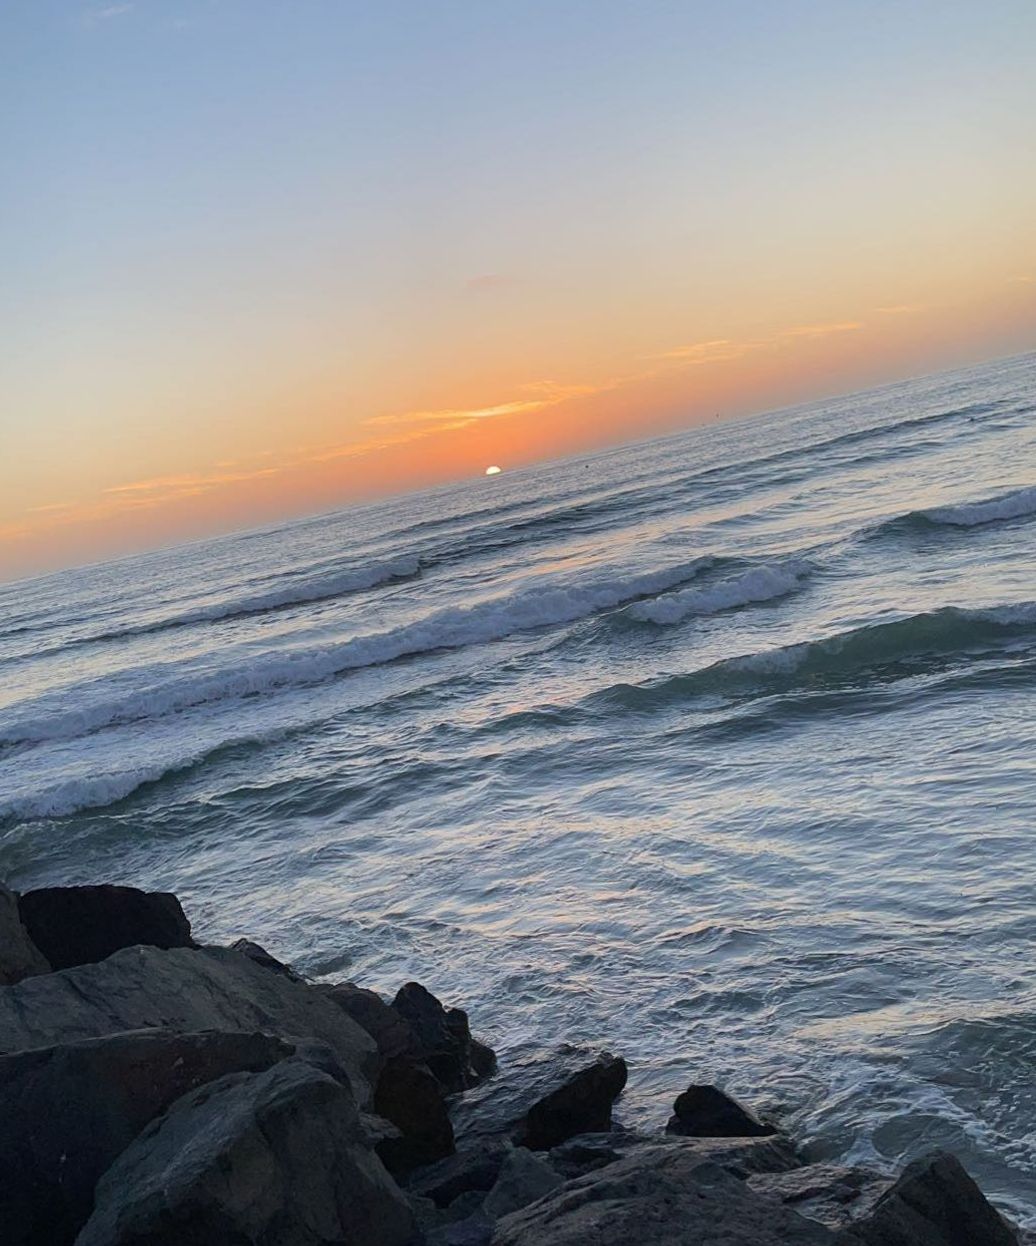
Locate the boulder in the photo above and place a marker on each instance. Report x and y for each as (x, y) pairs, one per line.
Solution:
(706, 1112)
(382, 1022)
(411, 1098)
(472, 1169)
(182, 990)
(581, 1104)
(19, 956)
(830, 1193)
(81, 925)
(524, 1177)
(661, 1195)
(741, 1157)
(442, 1039)
(67, 1112)
(264, 1159)
(933, 1203)
(256, 952)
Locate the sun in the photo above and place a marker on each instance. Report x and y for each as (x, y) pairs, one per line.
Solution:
(492, 471)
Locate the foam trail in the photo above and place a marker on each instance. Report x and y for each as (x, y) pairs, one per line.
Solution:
(755, 585)
(968, 514)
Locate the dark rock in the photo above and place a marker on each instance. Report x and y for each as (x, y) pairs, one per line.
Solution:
(660, 1195)
(475, 1230)
(181, 990)
(933, 1203)
(382, 1022)
(442, 1039)
(271, 1159)
(67, 1112)
(741, 1157)
(706, 1112)
(19, 956)
(483, 1060)
(475, 1168)
(411, 1098)
(256, 952)
(826, 1192)
(524, 1177)
(582, 1104)
(82, 925)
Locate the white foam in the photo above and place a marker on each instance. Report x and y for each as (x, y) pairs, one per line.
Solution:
(968, 514)
(755, 585)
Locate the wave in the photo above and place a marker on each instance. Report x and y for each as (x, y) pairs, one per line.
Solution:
(542, 605)
(758, 584)
(908, 642)
(1015, 504)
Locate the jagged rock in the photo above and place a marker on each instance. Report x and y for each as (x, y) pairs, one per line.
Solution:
(474, 1230)
(706, 1112)
(442, 1039)
(411, 1098)
(660, 1195)
(271, 1158)
(256, 952)
(483, 1060)
(81, 925)
(19, 956)
(524, 1177)
(67, 1112)
(381, 1021)
(826, 1192)
(742, 1157)
(182, 990)
(472, 1169)
(582, 1104)
(933, 1203)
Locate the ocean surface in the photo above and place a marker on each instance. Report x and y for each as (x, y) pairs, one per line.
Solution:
(717, 750)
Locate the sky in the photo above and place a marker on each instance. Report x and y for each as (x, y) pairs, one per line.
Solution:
(264, 258)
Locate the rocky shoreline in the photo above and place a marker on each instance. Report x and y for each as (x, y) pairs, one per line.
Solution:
(155, 1092)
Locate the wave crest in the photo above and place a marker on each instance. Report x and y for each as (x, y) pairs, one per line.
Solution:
(757, 584)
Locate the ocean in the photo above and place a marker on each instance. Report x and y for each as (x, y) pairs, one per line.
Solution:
(718, 751)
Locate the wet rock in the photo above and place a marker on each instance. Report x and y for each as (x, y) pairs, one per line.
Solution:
(706, 1112)
(581, 1104)
(524, 1177)
(472, 1169)
(826, 1192)
(660, 1195)
(741, 1157)
(181, 990)
(256, 952)
(410, 1097)
(442, 1039)
(382, 1022)
(933, 1203)
(19, 956)
(82, 925)
(276, 1157)
(483, 1060)
(67, 1112)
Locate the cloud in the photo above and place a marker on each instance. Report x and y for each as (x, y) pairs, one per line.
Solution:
(107, 13)
(900, 309)
(822, 330)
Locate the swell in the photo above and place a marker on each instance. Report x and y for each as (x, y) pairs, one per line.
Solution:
(906, 645)
(758, 584)
(1002, 507)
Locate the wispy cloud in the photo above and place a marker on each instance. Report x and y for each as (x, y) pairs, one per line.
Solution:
(822, 330)
(106, 13)
(900, 309)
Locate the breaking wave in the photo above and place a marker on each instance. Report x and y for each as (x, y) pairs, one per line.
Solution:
(758, 584)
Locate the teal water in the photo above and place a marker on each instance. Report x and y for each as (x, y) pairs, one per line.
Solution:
(717, 750)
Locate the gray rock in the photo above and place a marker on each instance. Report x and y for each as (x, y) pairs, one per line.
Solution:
(658, 1196)
(742, 1157)
(182, 990)
(523, 1179)
(834, 1195)
(19, 956)
(442, 1038)
(581, 1104)
(472, 1169)
(270, 1159)
(411, 1098)
(933, 1203)
(381, 1021)
(67, 1112)
(81, 925)
(255, 951)
(707, 1112)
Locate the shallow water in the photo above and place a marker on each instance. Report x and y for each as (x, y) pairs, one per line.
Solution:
(717, 750)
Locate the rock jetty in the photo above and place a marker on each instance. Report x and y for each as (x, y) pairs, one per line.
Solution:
(156, 1092)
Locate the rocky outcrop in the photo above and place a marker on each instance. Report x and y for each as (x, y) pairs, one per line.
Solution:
(82, 925)
(934, 1203)
(706, 1112)
(523, 1178)
(382, 1022)
(830, 1193)
(442, 1039)
(276, 1157)
(256, 952)
(473, 1169)
(19, 956)
(181, 990)
(741, 1157)
(411, 1098)
(581, 1104)
(661, 1195)
(67, 1112)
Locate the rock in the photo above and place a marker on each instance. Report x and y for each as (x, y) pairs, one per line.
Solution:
(933, 1203)
(826, 1192)
(523, 1179)
(268, 1158)
(474, 1230)
(81, 925)
(660, 1195)
(582, 1104)
(741, 1157)
(19, 956)
(411, 1098)
(67, 1112)
(483, 1060)
(381, 1021)
(442, 1038)
(181, 990)
(473, 1169)
(256, 952)
(706, 1112)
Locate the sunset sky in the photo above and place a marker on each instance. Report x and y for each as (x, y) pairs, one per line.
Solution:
(262, 258)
